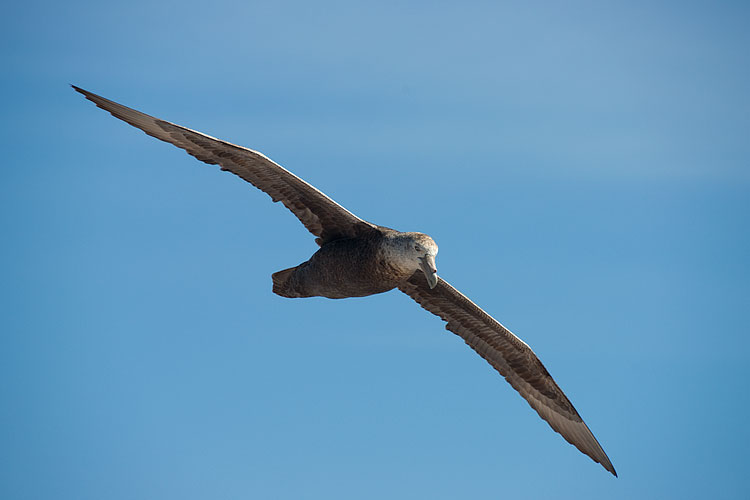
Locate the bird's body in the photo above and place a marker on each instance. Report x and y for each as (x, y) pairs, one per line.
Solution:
(357, 258)
(350, 267)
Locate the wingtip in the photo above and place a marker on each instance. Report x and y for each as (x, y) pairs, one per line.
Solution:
(604, 462)
(84, 93)
(609, 467)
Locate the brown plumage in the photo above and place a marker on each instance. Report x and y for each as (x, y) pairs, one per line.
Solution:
(357, 258)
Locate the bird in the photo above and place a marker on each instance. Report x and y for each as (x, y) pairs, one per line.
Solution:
(357, 258)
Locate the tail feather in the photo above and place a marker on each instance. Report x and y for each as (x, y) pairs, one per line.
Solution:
(281, 282)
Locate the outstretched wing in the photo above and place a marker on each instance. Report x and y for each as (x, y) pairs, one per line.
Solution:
(511, 357)
(322, 216)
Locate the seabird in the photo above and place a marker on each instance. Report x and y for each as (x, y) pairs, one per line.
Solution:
(357, 258)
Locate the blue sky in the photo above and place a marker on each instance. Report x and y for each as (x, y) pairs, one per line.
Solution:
(584, 168)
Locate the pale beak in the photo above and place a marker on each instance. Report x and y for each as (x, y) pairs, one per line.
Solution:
(427, 263)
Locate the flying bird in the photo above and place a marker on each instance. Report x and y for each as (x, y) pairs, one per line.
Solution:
(357, 258)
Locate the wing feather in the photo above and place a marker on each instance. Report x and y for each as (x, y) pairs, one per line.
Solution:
(322, 216)
(510, 356)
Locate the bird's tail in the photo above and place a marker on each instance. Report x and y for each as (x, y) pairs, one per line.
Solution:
(281, 285)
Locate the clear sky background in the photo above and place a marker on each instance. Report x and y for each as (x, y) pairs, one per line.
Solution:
(585, 169)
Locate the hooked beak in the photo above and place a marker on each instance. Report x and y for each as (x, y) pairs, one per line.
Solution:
(427, 263)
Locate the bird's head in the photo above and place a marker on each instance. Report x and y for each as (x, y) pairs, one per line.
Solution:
(417, 252)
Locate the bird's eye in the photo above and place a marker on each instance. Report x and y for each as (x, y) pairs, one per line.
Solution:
(416, 247)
